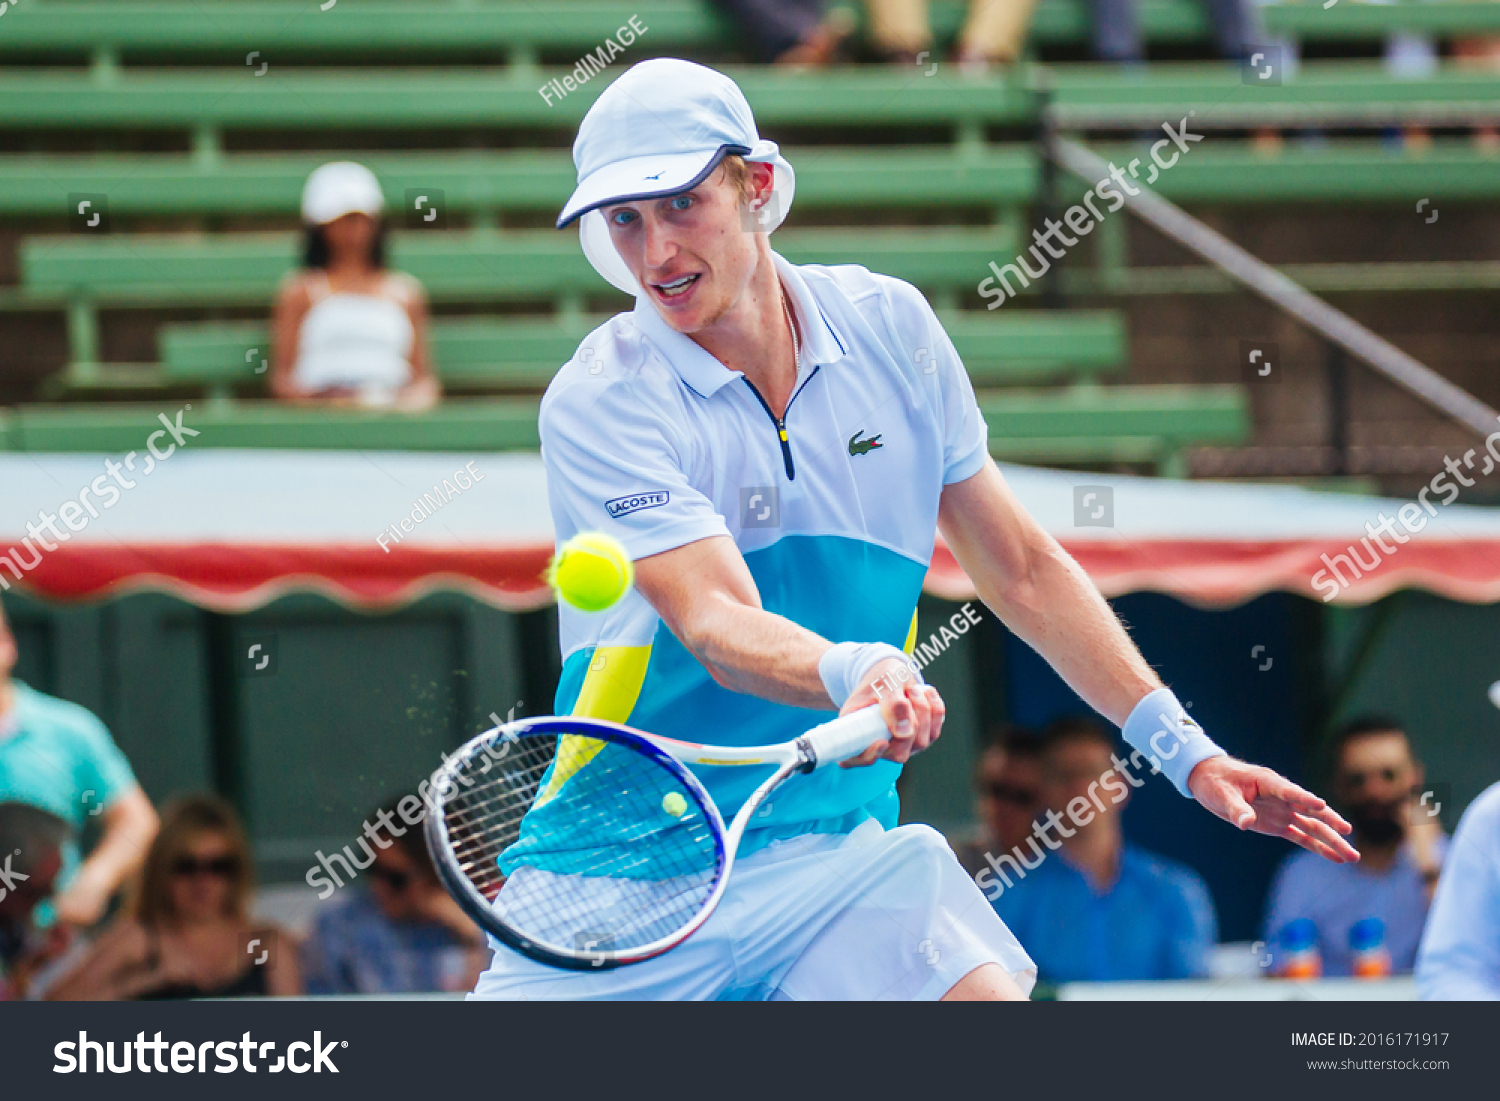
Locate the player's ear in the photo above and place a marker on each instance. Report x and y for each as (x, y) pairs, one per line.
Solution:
(761, 178)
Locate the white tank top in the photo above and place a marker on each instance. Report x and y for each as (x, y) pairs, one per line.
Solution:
(359, 341)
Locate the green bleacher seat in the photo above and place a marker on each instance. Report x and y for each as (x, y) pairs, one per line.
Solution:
(168, 269)
(457, 424)
(1326, 94)
(519, 354)
(904, 177)
(1089, 422)
(997, 179)
(1222, 171)
(545, 266)
(364, 98)
(519, 31)
(208, 101)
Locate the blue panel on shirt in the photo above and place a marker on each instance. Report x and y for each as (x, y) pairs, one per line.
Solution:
(844, 590)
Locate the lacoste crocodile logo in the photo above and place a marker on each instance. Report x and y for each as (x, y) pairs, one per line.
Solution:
(858, 446)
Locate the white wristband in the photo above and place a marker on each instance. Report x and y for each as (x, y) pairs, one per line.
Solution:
(1167, 736)
(844, 665)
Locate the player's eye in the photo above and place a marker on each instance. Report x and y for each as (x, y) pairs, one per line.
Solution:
(623, 217)
(681, 202)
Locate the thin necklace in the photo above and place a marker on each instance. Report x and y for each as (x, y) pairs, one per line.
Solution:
(796, 344)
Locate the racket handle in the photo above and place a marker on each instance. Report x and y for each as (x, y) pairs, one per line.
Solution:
(847, 736)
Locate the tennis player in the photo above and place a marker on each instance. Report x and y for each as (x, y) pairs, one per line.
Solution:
(775, 446)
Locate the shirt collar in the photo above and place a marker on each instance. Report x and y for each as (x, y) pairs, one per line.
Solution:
(705, 374)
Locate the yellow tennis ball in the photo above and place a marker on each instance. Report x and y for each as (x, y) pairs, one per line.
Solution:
(591, 572)
(673, 804)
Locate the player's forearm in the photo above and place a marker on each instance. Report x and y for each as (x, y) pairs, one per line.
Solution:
(757, 652)
(1036, 588)
(1054, 607)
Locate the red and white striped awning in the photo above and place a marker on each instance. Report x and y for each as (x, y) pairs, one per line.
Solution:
(234, 529)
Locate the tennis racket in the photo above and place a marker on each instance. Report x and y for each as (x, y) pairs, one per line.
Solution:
(587, 844)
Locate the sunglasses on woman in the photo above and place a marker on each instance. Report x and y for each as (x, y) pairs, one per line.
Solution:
(221, 866)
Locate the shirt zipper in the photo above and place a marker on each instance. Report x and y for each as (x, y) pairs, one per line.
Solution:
(780, 422)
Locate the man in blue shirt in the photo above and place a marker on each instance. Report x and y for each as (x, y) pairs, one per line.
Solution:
(1401, 848)
(57, 756)
(402, 934)
(1097, 908)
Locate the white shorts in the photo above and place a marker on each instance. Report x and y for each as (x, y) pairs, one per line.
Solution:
(864, 916)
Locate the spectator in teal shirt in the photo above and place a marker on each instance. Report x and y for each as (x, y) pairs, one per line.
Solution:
(57, 756)
(1087, 906)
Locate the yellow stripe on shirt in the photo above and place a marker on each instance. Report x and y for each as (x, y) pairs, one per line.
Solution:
(610, 689)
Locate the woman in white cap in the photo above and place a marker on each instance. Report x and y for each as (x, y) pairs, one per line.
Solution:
(345, 330)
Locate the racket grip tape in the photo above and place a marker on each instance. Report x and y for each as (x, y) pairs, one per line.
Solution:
(847, 736)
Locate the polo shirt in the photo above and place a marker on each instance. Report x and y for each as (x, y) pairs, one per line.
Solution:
(1156, 921)
(650, 439)
(58, 756)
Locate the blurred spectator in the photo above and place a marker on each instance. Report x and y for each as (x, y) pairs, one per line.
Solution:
(188, 932)
(1460, 955)
(59, 757)
(1099, 908)
(795, 33)
(345, 330)
(1401, 847)
(1483, 55)
(31, 858)
(993, 32)
(1009, 786)
(401, 934)
(1408, 56)
(1117, 33)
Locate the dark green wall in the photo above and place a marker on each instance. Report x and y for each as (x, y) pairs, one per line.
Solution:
(355, 709)
(361, 707)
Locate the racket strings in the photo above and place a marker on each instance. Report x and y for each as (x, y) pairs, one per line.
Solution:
(607, 849)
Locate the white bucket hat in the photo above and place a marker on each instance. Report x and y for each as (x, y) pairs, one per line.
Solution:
(339, 188)
(661, 128)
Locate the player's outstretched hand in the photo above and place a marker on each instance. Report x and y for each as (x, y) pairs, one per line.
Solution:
(1256, 798)
(913, 713)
